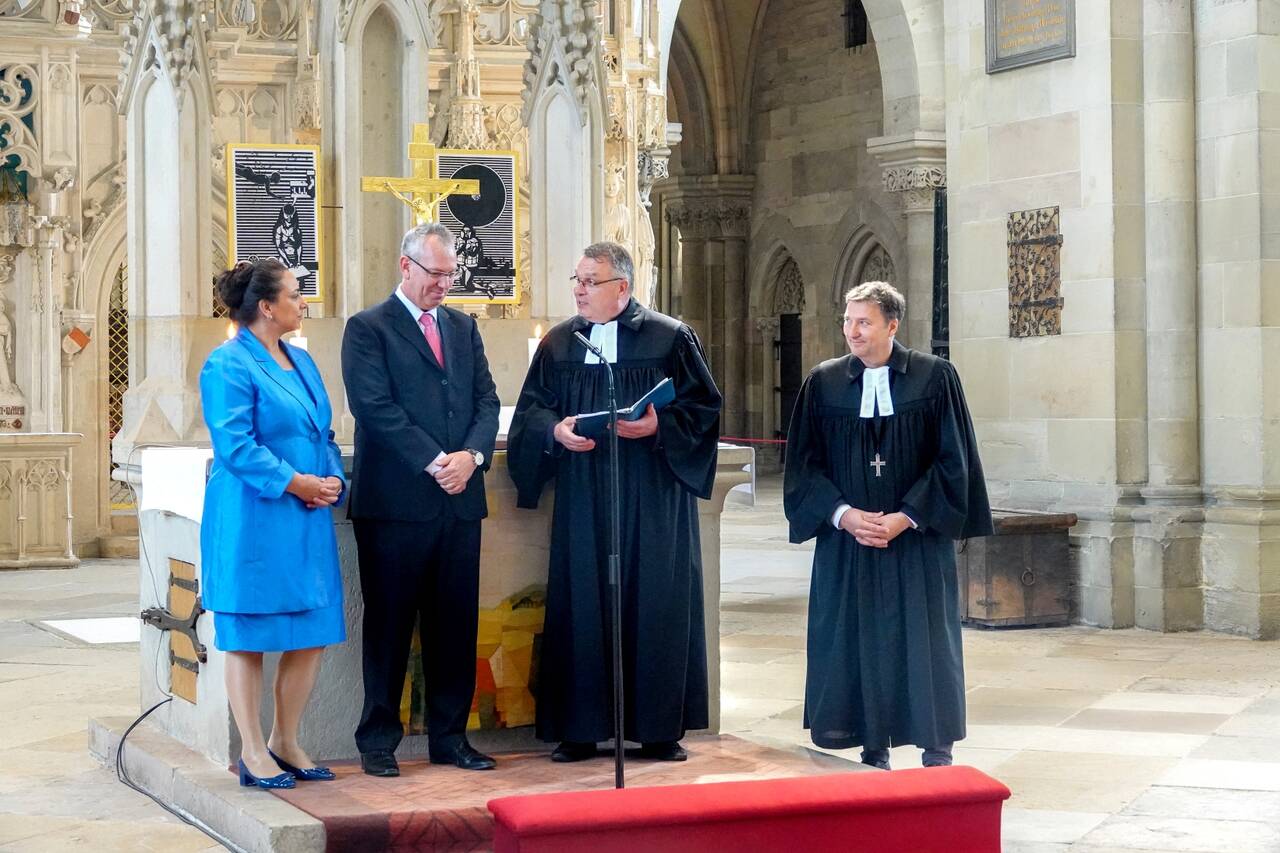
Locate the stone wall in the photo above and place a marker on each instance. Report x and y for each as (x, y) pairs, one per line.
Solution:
(814, 105)
(1052, 411)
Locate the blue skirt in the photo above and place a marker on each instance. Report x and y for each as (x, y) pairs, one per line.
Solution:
(279, 632)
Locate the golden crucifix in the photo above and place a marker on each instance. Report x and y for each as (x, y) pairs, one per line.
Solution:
(425, 190)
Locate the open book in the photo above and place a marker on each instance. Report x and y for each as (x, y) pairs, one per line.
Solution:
(593, 424)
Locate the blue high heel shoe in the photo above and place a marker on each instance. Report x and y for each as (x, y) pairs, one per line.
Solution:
(306, 774)
(248, 780)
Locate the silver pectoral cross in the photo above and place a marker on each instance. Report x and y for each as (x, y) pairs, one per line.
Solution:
(878, 463)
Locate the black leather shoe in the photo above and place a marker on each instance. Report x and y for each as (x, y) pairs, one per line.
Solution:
(466, 756)
(878, 758)
(669, 750)
(380, 762)
(573, 751)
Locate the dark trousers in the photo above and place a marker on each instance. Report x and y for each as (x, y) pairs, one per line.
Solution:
(429, 572)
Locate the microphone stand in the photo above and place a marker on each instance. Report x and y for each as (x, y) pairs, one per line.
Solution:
(615, 563)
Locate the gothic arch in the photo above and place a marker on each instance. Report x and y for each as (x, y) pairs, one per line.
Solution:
(344, 119)
(104, 256)
(909, 36)
(687, 91)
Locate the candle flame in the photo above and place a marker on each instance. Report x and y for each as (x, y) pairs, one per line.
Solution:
(231, 331)
(537, 331)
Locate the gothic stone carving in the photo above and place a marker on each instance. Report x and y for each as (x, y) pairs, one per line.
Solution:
(877, 267)
(902, 178)
(789, 295)
(570, 28)
(16, 105)
(168, 34)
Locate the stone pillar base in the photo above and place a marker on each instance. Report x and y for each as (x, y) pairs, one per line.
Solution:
(1240, 555)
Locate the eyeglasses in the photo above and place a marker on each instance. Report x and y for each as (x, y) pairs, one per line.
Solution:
(589, 284)
(455, 276)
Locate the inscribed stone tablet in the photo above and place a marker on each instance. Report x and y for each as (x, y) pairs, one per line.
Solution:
(1025, 32)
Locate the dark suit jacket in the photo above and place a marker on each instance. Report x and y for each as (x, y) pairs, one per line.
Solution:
(408, 410)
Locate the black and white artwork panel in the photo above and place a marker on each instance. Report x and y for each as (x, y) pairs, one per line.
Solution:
(484, 225)
(275, 209)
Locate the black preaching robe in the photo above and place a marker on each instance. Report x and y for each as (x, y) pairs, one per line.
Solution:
(885, 665)
(664, 648)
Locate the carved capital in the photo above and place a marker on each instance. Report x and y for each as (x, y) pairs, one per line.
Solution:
(733, 218)
(768, 328)
(920, 177)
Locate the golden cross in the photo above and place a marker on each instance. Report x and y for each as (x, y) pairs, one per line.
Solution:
(424, 191)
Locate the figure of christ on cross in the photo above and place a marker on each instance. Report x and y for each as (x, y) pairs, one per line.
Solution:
(424, 190)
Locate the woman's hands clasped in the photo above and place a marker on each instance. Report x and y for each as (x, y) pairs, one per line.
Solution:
(315, 491)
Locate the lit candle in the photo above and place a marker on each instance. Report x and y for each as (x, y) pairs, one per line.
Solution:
(231, 331)
(533, 342)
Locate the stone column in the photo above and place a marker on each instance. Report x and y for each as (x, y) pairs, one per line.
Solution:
(689, 302)
(765, 408)
(733, 320)
(1167, 590)
(42, 369)
(915, 167)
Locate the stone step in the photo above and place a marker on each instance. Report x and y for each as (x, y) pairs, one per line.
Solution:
(117, 546)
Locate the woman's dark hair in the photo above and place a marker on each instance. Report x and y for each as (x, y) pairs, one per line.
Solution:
(246, 284)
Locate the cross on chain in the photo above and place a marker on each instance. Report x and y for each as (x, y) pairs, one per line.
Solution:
(878, 463)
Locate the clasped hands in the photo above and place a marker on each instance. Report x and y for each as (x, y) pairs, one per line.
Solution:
(873, 529)
(642, 427)
(315, 491)
(455, 470)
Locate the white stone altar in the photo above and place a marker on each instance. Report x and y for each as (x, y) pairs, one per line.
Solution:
(513, 556)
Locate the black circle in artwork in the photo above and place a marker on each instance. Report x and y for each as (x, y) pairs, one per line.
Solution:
(478, 211)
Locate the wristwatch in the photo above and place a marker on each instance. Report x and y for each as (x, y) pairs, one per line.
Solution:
(476, 456)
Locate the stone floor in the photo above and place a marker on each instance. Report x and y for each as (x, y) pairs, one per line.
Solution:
(1111, 740)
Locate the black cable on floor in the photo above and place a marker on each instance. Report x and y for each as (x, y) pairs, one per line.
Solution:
(122, 774)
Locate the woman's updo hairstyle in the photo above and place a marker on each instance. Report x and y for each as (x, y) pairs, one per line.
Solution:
(246, 284)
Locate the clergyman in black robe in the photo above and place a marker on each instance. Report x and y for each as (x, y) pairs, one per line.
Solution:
(667, 460)
(882, 469)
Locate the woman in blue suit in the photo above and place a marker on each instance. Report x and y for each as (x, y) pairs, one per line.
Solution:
(269, 557)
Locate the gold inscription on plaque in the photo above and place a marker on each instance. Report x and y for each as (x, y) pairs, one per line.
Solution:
(1026, 25)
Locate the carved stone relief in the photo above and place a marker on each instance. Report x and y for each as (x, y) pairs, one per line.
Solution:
(877, 267)
(789, 294)
(19, 97)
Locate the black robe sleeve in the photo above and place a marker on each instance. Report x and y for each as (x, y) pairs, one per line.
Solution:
(951, 496)
(689, 426)
(809, 497)
(530, 458)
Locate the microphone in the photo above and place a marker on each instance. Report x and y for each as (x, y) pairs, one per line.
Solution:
(586, 342)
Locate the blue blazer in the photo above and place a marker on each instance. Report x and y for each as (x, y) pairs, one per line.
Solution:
(261, 549)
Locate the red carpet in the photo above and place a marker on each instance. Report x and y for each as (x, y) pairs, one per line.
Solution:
(430, 807)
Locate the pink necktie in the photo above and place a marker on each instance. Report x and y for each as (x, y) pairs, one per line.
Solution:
(432, 335)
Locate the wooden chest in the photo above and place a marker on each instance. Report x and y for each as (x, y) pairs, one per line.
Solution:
(1019, 577)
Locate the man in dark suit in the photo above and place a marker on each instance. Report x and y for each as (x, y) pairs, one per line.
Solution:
(426, 414)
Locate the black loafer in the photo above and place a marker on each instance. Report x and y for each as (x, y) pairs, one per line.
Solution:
(379, 762)
(670, 750)
(573, 751)
(465, 756)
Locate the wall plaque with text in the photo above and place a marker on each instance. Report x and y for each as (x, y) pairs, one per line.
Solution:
(1026, 32)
